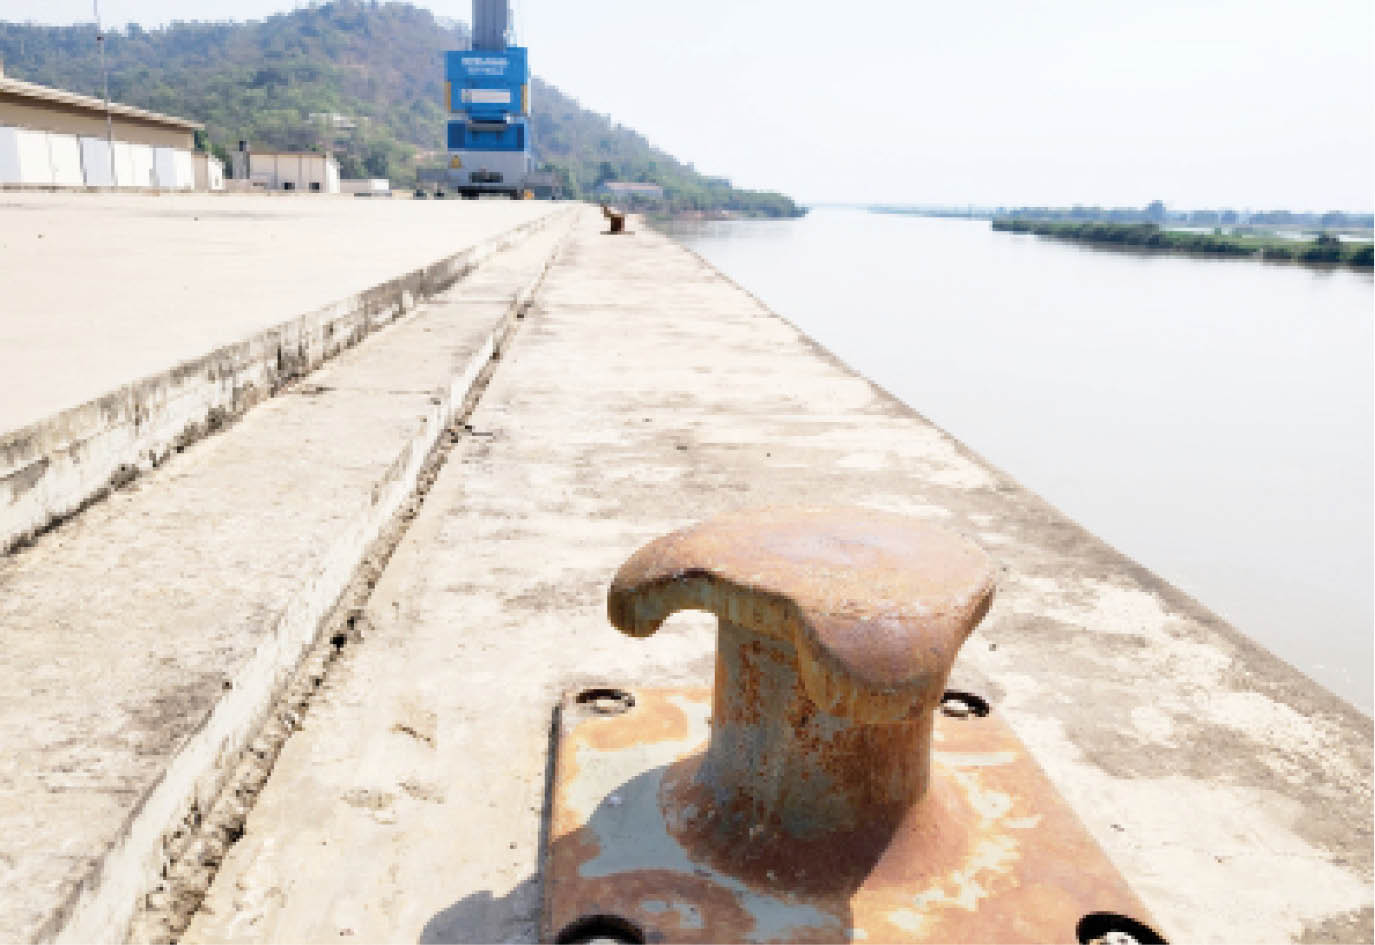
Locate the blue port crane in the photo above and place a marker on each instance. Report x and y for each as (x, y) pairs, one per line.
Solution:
(487, 94)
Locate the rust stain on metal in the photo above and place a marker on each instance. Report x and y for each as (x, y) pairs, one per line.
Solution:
(657, 719)
(822, 799)
(875, 604)
(660, 727)
(990, 853)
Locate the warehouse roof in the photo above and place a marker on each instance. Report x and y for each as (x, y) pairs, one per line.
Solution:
(42, 93)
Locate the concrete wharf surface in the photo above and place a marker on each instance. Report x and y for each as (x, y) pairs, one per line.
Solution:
(103, 289)
(644, 391)
(134, 324)
(146, 639)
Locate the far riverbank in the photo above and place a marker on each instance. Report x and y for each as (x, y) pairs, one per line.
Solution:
(1324, 250)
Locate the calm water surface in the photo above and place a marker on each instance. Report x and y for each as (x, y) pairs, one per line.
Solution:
(1213, 419)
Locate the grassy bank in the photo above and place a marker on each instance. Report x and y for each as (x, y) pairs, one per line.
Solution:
(1324, 249)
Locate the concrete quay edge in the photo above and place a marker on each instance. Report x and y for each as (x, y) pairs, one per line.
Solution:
(1230, 790)
(51, 469)
(100, 905)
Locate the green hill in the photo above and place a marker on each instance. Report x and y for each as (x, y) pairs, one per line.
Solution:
(361, 79)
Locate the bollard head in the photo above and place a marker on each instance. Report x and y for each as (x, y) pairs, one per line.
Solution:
(875, 604)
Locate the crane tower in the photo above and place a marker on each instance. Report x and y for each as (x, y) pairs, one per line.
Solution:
(487, 94)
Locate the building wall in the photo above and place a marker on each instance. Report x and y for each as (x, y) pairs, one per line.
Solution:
(24, 157)
(184, 169)
(124, 164)
(34, 158)
(295, 171)
(140, 167)
(172, 169)
(208, 171)
(365, 185)
(55, 116)
(64, 156)
(95, 162)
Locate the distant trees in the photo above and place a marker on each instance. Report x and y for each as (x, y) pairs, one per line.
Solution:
(377, 163)
(1156, 212)
(378, 64)
(1324, 249)
(563, 178)
(260, 81)
(595, 150)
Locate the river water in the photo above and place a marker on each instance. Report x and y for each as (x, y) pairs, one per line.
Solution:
(1213, 419)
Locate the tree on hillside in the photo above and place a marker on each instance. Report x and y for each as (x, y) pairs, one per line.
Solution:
(379, 65)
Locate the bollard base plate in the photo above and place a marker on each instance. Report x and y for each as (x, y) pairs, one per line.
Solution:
(991, 853)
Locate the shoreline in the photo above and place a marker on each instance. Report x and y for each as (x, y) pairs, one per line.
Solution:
(1325, 251)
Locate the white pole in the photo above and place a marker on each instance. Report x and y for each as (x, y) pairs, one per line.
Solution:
(105, 77)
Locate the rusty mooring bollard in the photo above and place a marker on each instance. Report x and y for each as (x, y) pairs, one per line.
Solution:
(828, 803)
(837, 631)
(615, 217)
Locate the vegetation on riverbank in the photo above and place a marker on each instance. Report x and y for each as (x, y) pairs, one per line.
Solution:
(359, 79)
(1324, 249)
(586, 150)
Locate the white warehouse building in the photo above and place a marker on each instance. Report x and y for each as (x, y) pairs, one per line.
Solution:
(54, 138)
(307, 171)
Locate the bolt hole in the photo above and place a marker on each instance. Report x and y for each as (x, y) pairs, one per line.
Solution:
(600, 928)
(957, 704)
(606, 701)
(1111, 928)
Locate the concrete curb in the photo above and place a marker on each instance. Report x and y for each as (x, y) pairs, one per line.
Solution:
(52, 469)
(102, 906)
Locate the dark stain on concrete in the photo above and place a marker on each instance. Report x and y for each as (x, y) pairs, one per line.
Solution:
(156, 726)
(24, 479)
(546, 598)
(1357, 925)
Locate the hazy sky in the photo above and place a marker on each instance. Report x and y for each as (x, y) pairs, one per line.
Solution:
(1243, 103)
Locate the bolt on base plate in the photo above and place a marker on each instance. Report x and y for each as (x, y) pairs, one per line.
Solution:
(991, 853)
